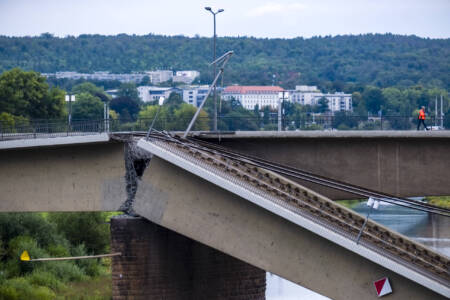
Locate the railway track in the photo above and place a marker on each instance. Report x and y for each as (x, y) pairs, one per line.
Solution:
(269, 180)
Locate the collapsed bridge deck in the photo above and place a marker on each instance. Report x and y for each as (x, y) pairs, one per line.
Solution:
(308, 209)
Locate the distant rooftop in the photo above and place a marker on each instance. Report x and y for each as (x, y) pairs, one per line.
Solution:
(252, 89)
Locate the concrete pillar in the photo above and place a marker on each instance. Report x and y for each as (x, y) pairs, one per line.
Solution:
(157, 263)
(154, 263)
(221, 276)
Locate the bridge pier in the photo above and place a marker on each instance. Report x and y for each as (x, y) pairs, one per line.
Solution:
(157, 263)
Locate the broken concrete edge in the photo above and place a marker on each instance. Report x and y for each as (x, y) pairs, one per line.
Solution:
(302, 221)
(55, 141)
(136, 161)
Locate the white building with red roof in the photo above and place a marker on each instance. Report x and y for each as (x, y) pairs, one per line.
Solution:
(250, 96)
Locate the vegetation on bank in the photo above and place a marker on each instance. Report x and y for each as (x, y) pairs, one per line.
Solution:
(53, 235)
(443, 201)
(380, 60)
(21, 103)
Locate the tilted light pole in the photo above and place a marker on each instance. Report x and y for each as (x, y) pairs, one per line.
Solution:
(223, 59)
(214, 58)
(160, 103)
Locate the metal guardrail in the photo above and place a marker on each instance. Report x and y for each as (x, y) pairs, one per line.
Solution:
(51, 128)
(58, 128)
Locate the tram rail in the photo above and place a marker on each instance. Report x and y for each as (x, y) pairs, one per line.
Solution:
(268, 179)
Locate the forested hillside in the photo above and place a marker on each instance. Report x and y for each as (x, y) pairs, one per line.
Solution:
(380, 60)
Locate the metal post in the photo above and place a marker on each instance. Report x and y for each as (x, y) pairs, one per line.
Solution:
(224, 58)
(104, 116)
(215, 70)
(107, 117)
(69, 125)
(442, 114)
(153, 123)
(381, 120)
(279, 114)
(435, 111)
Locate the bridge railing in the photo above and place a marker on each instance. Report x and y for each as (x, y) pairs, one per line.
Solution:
(53, 128)
(50, 128)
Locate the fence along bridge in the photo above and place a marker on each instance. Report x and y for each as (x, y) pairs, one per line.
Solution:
(267, 185)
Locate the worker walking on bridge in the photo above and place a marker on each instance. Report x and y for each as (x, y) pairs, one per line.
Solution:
(422, 117)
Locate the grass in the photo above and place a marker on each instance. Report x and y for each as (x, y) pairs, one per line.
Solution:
(349, 203)
(442, 201)
(99, 288)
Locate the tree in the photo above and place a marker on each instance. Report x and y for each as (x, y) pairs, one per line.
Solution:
(128, 89)
(374, 99)
(344, 120)
(323, 105)
(174, 99)
(27, 94)
(184, 114)
(88, 228)
(87, 87)
(92, 89)
(127, 107)
(145, 80)
(87, 107)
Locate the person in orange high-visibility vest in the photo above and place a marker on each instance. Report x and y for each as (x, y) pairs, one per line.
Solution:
(422, 117)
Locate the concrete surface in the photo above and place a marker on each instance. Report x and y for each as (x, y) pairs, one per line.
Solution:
(402, 163)
(54, 141)
(180, 201)
(385, 134)
(81, 177)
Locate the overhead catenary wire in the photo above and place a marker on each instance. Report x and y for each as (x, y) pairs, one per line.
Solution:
(284, 192)
(293, 172)
(303, 175)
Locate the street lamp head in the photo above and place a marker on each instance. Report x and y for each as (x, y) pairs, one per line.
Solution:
(220, 10)
(208, 8)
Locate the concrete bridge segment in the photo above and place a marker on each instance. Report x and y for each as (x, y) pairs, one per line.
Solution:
(220, 218)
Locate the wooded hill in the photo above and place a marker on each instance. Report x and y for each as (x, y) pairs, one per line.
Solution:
(381, 59)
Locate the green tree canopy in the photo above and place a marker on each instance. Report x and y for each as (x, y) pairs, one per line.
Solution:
(90, 88)
(128, 108)
(373, 98)
(27, 94)
(323, 105)
(129, 90)
(87, 107)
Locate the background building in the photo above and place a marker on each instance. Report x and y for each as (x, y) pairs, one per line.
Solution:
(250, 96)
(186, 77)
(152, 93)
(156, 77)
(310, 95)
(195, 94)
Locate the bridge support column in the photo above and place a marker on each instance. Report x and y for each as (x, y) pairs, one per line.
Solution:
(157, 263)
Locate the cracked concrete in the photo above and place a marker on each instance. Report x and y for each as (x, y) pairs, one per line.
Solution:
(136, 161)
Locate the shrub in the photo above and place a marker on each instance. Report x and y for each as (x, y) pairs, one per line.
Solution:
(20, 288)
(90, 266)
(31, 224)
(58, 251)
(43, 278)
(64, 270)
(88, 228)
(16, 246)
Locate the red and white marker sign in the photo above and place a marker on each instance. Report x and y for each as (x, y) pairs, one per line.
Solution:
(383, 287)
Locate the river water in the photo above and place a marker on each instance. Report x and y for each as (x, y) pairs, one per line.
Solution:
(430, 230)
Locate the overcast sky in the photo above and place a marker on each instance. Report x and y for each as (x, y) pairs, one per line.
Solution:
(259, 18)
